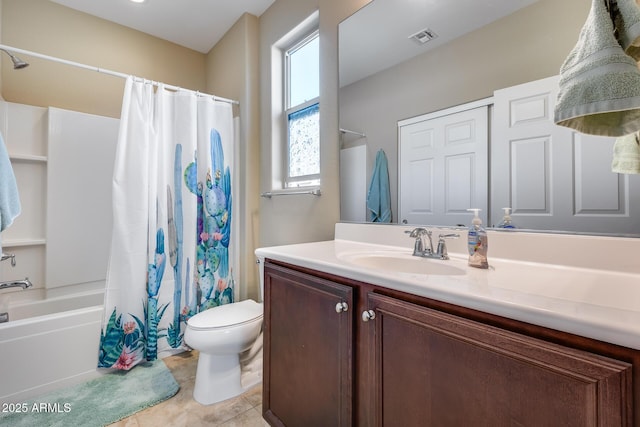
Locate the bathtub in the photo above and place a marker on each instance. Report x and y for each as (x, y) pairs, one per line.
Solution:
(49, 344)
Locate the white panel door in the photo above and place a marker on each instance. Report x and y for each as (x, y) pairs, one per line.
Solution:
(552, 177)
(443, 167)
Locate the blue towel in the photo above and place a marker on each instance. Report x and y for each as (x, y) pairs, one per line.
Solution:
(9, 199)
(379, 196)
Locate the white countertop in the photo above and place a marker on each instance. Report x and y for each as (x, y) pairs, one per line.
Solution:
(595, 303)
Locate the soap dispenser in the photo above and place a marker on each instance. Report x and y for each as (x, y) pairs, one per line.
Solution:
(477, 242)
(506, 219)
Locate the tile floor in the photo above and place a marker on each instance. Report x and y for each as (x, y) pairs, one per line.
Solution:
(182, 411)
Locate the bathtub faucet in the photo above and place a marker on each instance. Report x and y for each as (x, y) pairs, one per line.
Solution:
(24, 284)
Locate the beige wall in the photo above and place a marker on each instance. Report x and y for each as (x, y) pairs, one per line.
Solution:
(232, 72)
(48, 28)
(292, 219)
(528, 45)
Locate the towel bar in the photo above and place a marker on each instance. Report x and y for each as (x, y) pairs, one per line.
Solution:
(360, 134)
(269, 194)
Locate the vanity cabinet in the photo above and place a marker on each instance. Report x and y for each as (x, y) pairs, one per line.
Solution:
(398, 359)
(308, 350)
(436, 369)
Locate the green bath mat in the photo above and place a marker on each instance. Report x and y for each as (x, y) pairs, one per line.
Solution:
(97, 402)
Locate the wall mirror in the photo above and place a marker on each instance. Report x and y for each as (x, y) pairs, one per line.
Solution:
(471, 49)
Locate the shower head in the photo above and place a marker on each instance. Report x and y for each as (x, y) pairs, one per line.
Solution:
(17, 62)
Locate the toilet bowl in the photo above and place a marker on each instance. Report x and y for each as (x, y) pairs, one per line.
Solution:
(221, 334)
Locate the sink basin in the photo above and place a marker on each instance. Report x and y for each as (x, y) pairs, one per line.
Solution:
(403, 263)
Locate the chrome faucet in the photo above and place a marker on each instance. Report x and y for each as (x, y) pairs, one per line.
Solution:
(24, 284)
(423, 246)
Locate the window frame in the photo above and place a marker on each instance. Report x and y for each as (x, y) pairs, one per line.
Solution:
(311, 180)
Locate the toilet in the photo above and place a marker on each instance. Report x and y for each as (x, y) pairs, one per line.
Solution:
(228, 337)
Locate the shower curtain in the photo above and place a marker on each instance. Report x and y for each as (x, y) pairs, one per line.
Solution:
(171, 242)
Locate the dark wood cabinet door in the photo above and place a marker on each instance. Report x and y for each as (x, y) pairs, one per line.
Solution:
(436, 369)
(308, 346)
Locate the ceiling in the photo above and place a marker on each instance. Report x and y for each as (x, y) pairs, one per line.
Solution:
(195, 24)
(369, 40)
(377, 36)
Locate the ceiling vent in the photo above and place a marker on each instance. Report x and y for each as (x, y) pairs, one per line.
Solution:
(423, 36)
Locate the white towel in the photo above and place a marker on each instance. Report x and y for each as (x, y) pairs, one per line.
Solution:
(599, 90)
(9, 198)
(626, 18)
(626, 154)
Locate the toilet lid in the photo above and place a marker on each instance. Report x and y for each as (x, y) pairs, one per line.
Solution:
(226, 315)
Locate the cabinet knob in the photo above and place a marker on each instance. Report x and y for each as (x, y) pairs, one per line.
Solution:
(341, 306)
(368, 315)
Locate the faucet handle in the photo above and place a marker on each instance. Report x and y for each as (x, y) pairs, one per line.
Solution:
(442, 247)
(441, 237)
(12, 257)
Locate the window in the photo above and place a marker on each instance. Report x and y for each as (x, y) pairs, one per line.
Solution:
(302, 113)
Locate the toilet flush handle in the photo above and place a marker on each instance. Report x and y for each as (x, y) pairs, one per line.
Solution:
(341, 306)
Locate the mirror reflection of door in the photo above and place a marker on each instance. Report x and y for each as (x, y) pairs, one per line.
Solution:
(552, 177)
(444, 166)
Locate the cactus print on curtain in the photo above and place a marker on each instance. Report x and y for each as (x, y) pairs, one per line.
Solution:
(170, 255)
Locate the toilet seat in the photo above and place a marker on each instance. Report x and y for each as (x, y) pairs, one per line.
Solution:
(227, 315)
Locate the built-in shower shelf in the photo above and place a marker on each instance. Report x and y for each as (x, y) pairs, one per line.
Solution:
(22, 242)
(28, 158)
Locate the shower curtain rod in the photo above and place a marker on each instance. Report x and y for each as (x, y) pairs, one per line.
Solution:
(109, 72)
